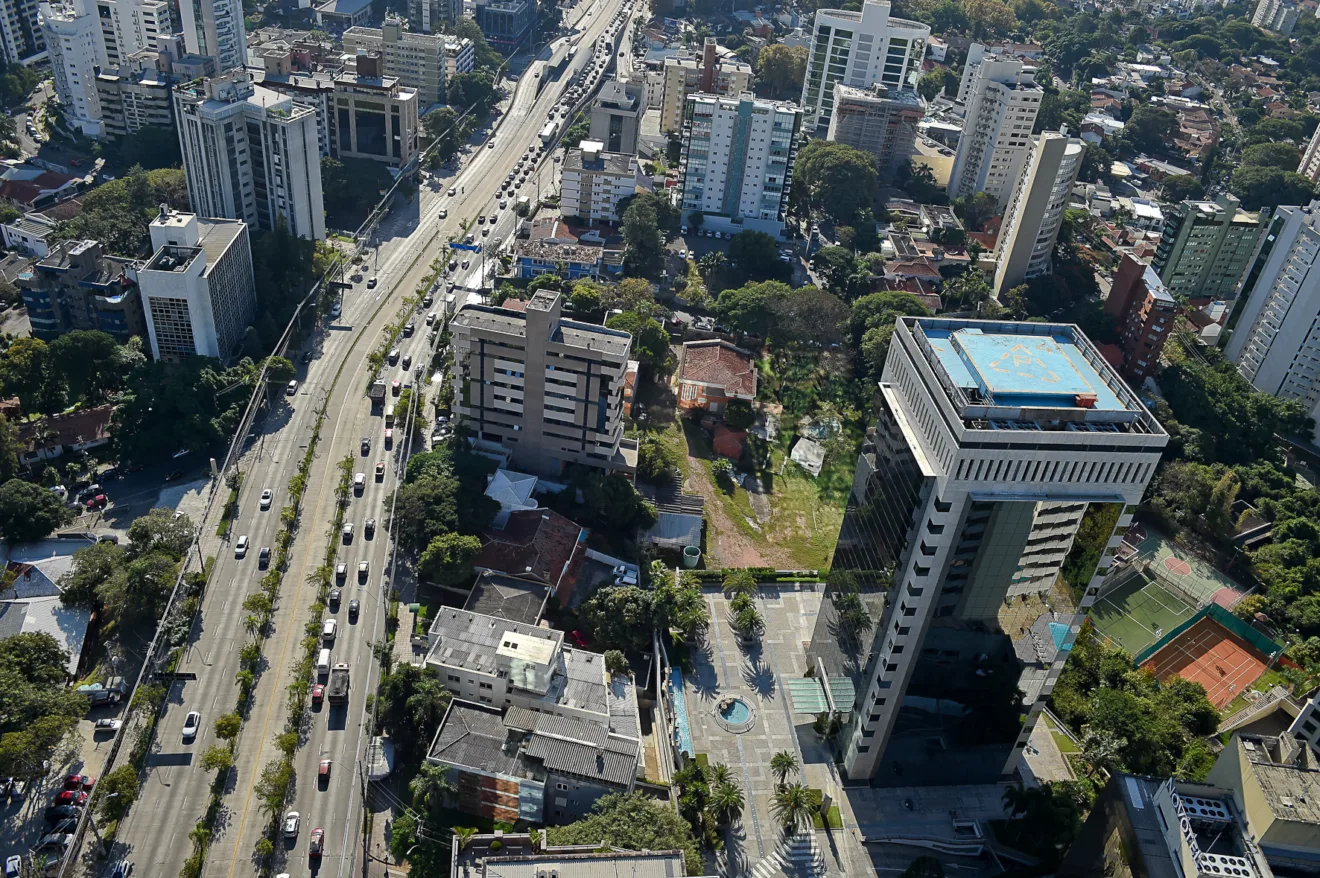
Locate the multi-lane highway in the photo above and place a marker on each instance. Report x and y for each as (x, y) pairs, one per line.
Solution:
(155, 835)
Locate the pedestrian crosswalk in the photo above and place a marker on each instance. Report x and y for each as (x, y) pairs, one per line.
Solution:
(797, 855)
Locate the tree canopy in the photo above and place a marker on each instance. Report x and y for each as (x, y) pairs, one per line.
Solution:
(835, 179)
(634, 821)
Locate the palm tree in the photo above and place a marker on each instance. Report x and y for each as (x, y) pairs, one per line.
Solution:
(432, 782)
(783, 764)
(1100, 751)
(792, 806)
(740, 582)
(464, 835)
(726, 802)
(718, 773)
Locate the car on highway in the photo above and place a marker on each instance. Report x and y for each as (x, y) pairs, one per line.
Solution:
(108, 725)
(380, 471)
(369, 528)
(335, 595)
(241, 547)
(443, 214)
(341, 571)
(389, 437)
(291, 821)
(491, 144)
(371, 284)
(364, 569)
(191, 724)
(409, 329)
(329, 630)
(504, 202)
(467, 262)
(122, 869)
(263, 558)
(485, 233)
(318, 842)
(318, 695)
(266, 497)
(354, 606)
(453, 190)
(481, 220)
(395, 387)
(359, 482)
(347, 533)
(292, 387)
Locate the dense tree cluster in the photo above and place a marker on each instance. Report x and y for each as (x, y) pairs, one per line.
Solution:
(39, 709)
(119, 213)
(634, 821)
(444, 492)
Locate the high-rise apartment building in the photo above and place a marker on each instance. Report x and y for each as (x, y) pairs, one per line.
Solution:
(1206, 247)
(1310, 165)
(432, 16)
(878, 121)
(548, 388)
(214, 28)
(315, 90)
(197, 290)
(1279, 16)
(73, 40)
(1002, 103)
(685, 76)
(250, 153)
(133, 95)
(616, 115)
(1143, 311)
(593, 181)
(460, 57)
(375, 118)
(1276, 345)
(417, 60)
(738, 159)
(945, 625)
(132, 26)
(1035, 212)
(859, 49)
(78, 286)
(21, 38)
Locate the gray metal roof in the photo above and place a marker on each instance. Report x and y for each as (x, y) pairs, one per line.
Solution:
(623, 708)
(464, 639)
(473, 735)
(507, 597)
(582, 684)
(612, 864)
(595, 338)
(570, 745)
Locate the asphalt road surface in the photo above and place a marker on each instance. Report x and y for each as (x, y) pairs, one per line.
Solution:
(174, 795)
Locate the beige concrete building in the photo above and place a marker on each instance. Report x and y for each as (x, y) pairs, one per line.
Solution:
(134, 95)
(375, 118)
(593, 181)
(1035, 212)
(685, 76)
(1275, 782)
(548, 388)
(877, 120)
(1002, 103)
(416, 60)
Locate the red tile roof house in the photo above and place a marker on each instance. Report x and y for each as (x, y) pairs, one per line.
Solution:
(712, 372)
(537, 544)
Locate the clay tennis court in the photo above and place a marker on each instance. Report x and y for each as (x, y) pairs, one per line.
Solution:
(1210, 654)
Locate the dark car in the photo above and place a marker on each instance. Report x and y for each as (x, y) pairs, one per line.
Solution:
(369, 528)
(56, 813)
(334, 598)
(353, 608)
(263, 557)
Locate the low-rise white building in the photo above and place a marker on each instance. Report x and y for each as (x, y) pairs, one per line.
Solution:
(592, 182)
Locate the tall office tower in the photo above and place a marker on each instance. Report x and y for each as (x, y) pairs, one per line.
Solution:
(1035, 213)
(946, 624)
(73, 39)
(433, 16)
(505, 23)
(197, 290)
(616, 115)
(548, 388)
(214, 28)
(738, 159)
(417, 60)
(132, 26)
(859, 49)
(1279, 16)
(685, 76)
(375, 118)
(878, 121)
(1276, 345)
(250, 153)
(1206, 247)
(1002, 102)
(20, 30)
(1310, 166)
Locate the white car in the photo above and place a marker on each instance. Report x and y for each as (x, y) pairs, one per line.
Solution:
(328, 630)
(266, 496)
(444, 214)
(341, 571)
(191, 724)
(291, 821)
(109, 725)
(13, 866)
(348, 533)
(241, 547)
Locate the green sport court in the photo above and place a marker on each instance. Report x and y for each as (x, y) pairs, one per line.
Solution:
(1192, 576)
(1138, 611)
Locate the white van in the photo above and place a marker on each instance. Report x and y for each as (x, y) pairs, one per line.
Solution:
(323, 664)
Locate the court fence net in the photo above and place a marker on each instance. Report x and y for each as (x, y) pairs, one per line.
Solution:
(1215, 613)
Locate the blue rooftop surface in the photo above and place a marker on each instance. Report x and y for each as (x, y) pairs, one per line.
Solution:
(1044, 371)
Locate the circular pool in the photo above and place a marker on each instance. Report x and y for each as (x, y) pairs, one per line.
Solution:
(735, 715)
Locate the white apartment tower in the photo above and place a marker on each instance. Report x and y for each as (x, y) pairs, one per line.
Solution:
(197, 290)
(73, 39)
(214, 28)
(1276, 345)
(1002, 102)
(738, 159)
(132, 26)
(1035, 213)
(945, 628)
(20, 31)
(859, 49)
(250, 153)
(1279, 16)
(593, 182)
(1310, 166)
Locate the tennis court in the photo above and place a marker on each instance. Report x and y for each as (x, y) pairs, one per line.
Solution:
(1210, 654)
(1180, 568)
(1136, 613)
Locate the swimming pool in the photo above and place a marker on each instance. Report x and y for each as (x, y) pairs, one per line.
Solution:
(1059, 632)
(681, 728)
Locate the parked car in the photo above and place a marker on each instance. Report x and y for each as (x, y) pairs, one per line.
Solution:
(71, 797)
(56, 813)
(108, 725)
(13, 866)
(79, 782)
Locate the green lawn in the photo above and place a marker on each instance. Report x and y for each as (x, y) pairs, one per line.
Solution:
(1267, 681)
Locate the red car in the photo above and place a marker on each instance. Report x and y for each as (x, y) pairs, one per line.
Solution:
(578, 638)
(318, 694)
(97, 502)
(79, 782)
(389, 437)
(71, 797)
(318, 842)
(324, 771)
